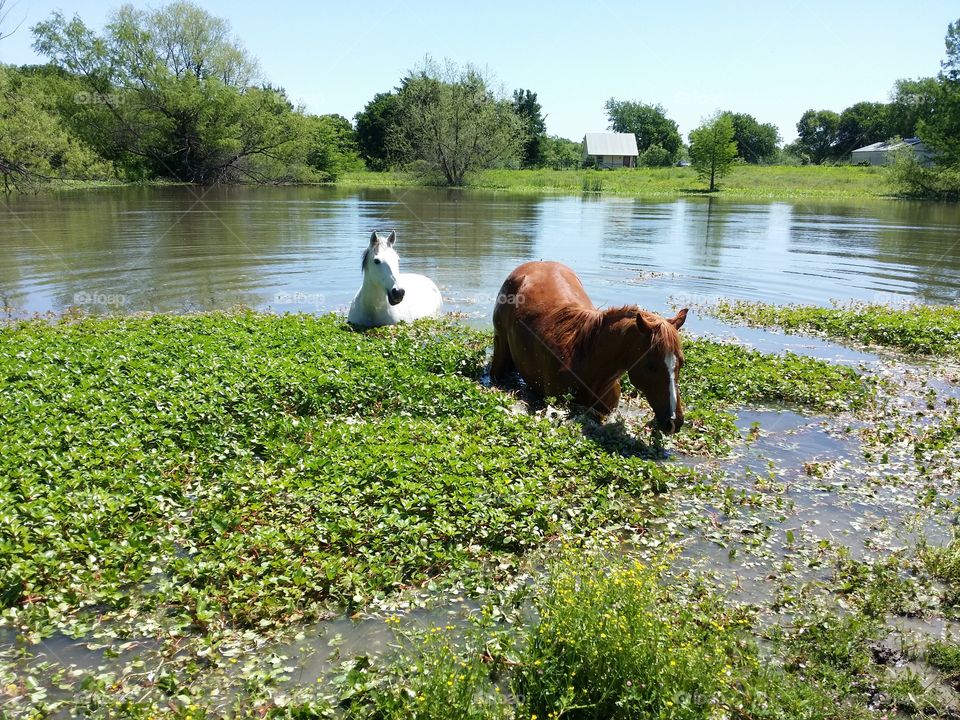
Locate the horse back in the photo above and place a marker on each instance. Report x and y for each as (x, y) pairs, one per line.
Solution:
(524, 319)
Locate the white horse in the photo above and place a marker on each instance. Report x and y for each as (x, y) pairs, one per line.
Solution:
(388, 296)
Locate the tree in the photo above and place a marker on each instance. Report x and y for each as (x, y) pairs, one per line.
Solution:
(950, 67)
(913, 101)
(862, 124)
(169, 93)
(559, 153)
(333, 146)
(713, 149)
(35, 145)
(817, 135)
(4, 14)
(934, 104)
(375, 124)
(651, 126)
(756, 142)
(527, 108)
(452, 122)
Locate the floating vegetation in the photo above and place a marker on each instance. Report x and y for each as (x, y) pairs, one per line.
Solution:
(185, 500)
(917, 329)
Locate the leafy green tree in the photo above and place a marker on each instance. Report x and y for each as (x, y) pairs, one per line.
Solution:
(817, 135)
(651, 126)
(452, 123)
(527, 108)
(378, 120)
(656, 156)
(559, 153)
(35, 145)
(935, 105)
(170, 92)
(913, 101)
(713, 149)
(756, 142)
(862, 124)
(940, 130)
(334, 146)
(950, 67)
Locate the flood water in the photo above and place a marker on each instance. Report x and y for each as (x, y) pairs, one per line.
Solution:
(298, 249)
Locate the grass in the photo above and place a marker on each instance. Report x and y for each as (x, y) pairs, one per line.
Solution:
(945, 656)
(920, 329)
(614, 639)
(216, 456)
(613, 642)
(746, 181)
(252, 467)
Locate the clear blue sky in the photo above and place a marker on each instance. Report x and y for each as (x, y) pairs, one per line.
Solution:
(772, 59)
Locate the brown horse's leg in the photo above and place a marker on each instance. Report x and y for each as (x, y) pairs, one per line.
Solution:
(502, 363)
(603, 404)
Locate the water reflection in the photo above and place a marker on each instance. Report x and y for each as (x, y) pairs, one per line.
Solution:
(171, 249)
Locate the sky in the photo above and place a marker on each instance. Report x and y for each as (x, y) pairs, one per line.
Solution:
(773, 59)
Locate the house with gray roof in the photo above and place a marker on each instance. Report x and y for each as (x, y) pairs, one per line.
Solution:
(879, 153)
(610, 150)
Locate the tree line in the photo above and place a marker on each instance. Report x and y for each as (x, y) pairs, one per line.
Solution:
(162, 94)
(172, 94)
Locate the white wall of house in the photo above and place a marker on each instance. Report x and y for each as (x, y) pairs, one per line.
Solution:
(608, 162)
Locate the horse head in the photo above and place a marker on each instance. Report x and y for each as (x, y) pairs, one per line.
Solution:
(381, 265)
(656, 371)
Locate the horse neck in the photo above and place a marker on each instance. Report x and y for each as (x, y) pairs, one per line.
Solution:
(371, 294)
(612, 346)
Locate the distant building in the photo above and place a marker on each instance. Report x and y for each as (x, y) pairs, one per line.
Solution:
(611, 150)
(879, 152)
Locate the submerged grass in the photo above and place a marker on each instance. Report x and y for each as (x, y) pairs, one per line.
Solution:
(920, 329)
(745, 181)
(205, 479)
(252, 467)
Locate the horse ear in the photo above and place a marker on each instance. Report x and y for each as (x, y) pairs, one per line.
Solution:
(373, 238)
(679, 319)
(646, 323)
(392, 238)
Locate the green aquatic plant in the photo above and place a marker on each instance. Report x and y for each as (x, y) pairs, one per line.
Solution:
(917, 329)
(245, 468)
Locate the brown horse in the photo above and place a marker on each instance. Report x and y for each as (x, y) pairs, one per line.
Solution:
(546, 327)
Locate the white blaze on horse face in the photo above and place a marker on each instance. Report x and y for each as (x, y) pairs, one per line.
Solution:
(385, 264)
(671, 362)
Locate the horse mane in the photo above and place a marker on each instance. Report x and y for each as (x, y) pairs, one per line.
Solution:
(577, 327)
(665, 338)
(363, 261)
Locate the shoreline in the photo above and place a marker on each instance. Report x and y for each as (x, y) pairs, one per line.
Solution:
(747, 182)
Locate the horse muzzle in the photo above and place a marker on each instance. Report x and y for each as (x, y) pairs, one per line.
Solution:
(668, 425)
(395, 295)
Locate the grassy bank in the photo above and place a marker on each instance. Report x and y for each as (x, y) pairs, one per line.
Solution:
(746, 181)
(209, 481)
(920, 329)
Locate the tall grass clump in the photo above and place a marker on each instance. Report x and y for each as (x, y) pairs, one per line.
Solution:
(615, 643)
(592, 182)
(439, 681)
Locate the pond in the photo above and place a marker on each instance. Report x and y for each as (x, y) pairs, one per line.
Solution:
(298, 249)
